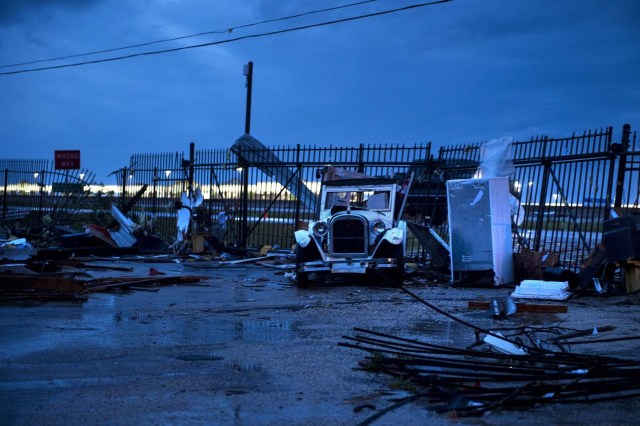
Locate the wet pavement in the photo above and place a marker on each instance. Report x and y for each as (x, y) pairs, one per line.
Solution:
(246, 346)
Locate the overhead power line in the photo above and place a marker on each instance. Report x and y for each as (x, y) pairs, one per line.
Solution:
(214, 43)
(221, 31)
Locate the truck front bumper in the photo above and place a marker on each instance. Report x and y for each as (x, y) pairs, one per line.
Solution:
(348, 266)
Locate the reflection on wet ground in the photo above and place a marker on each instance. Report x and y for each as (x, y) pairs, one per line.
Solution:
(446, 333)
(263, 330)
(174, 315)
(199, 357)
(244, 366)
(244, 346)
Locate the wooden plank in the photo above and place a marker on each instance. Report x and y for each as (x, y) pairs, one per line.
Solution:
(522, 307)
(109, 283)
(43, 282)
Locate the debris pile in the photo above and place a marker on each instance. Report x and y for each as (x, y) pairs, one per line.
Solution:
(69, 280)
(524, 368)
(468, 382)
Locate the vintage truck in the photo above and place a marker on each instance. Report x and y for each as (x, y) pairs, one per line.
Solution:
(359, 231)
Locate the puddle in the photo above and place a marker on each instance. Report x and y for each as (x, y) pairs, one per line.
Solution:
(264, 330)
(138, 317)
(199, 357)
(445, 333)
(244, 366)
(44, 327)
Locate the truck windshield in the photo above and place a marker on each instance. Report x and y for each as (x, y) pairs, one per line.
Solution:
(372, 200)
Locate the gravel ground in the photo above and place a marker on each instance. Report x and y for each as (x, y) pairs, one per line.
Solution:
(246, 346)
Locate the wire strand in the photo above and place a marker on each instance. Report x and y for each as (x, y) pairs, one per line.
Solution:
(270, 33)
(221, 31)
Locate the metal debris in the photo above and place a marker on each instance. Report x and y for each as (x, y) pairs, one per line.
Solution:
(471, 382)
(14, 286)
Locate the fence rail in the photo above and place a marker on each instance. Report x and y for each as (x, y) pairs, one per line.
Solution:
(563, 188)
(259, 209)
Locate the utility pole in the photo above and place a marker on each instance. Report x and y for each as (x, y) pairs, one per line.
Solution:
(244, 226)
(248, 72)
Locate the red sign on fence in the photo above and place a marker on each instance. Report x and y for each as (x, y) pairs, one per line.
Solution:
(67, 160)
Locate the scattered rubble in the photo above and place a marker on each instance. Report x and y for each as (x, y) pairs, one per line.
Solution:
(519, 308)
(507, 372)
(47, 286)
(465, 382)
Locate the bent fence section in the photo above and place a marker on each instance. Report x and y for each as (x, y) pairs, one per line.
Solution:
(36, 195)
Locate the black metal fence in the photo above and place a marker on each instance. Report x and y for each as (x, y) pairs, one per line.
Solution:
(35, 195)
(250, 204)
(563, 188)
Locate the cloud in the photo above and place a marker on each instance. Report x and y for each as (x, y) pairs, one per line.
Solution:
(16, 11)
(465, 71)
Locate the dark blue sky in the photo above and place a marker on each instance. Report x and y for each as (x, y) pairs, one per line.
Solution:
(453, 73)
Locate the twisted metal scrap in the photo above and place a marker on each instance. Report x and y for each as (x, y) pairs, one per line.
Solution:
(471, 382)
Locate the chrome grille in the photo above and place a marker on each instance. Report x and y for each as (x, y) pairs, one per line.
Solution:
(349, 236)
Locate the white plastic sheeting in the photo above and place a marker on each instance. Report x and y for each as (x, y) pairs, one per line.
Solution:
(184, 213)
(123, 237)
(496, 158)
(538, 289)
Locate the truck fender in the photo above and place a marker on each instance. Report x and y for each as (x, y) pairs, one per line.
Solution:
(303, 238)
(394, 235)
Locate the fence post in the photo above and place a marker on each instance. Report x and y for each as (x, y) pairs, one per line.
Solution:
(4, 200)
(298, 202)
(361, 159)
(245, 202)
(613, 156)
(622, 165)
(123, 196)
(192, 151)
(155, 194)
(210, 204)
(41, 185)
(542, 203)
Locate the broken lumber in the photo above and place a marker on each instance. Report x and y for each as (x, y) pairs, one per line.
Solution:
(28, 286)
(111, 283)
(522, 307)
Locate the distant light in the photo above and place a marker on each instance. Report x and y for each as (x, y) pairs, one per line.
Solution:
(167, 173)
(35, 175)
(81, 176)
(130, 176)
(239, 169)
(530, 183)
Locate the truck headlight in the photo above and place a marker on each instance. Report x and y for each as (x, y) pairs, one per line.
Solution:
(320, 228)
(378, 227)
